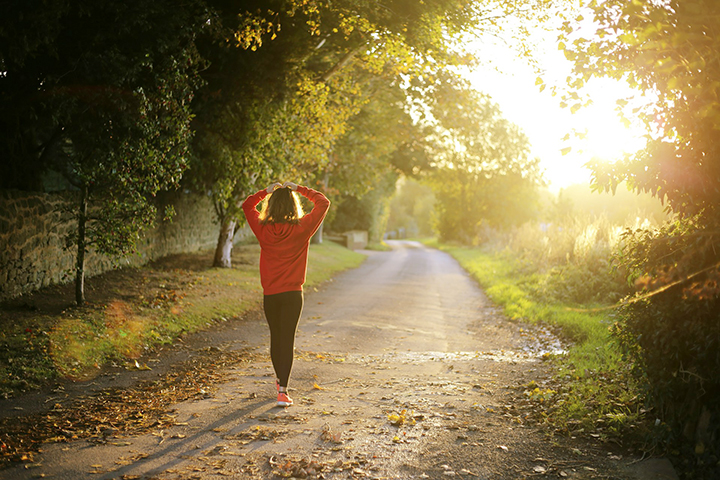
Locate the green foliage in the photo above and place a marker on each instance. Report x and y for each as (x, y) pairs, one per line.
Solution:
(575, 257)
(92, 99)
(278, 107)
(483, 176)
(361, 170)
(412, 209)
(363, 157)
(351, 214)
(666, 49)
(104, 102)
(671, 330)
(321, 91)
(674, 341)
(669, 51)
(369, 212)
(264, 112)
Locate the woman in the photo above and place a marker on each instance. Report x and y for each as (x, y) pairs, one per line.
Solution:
(284, 234)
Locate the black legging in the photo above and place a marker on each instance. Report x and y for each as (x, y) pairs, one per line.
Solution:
(282, 312)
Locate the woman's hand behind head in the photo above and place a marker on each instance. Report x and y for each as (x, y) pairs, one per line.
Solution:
(273, 187)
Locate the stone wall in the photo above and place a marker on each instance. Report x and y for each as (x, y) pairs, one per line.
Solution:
(33, 228)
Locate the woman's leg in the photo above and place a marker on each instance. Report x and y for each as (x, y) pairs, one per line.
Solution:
(282, 312)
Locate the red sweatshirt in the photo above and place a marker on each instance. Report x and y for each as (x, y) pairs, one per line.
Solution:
(284, 246)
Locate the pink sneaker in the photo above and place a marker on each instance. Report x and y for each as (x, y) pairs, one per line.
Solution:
(283, 400)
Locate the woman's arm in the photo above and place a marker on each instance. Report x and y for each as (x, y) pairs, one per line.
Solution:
(251, 213)
(320, 207)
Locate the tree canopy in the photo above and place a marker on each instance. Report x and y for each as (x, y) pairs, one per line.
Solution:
(301, 72)
(121, 99)
(483, 174)
(101, 98)
(667, 50)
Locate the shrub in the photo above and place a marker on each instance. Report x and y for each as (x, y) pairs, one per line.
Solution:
(672, 334)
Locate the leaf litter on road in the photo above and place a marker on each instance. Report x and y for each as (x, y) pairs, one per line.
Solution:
(116, 411)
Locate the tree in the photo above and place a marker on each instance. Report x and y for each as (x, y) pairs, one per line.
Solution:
(266, 106)
(289, 74)
(482, 172)
(668, 51)
(361, 172)
(103, 99)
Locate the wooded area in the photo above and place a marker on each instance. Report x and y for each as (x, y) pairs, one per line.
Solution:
(122, 101)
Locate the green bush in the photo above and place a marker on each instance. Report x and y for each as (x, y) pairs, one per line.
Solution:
(584, 283)
(671, 331)
(572, 260)
(675, 343)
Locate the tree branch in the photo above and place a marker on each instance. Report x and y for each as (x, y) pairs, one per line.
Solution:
(347, 58)
(649, 294)
(45, 147)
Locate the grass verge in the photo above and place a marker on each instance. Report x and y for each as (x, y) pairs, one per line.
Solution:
(44, 338)
(593, 390)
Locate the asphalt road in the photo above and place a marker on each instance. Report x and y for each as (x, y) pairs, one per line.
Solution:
(404, 369)
(412, 299)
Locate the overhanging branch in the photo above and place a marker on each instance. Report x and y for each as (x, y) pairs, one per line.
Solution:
(347, 58)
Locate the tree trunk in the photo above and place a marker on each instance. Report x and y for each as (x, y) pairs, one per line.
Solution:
(80, 264)
(223, 251)
(318, 237)
(347, 58)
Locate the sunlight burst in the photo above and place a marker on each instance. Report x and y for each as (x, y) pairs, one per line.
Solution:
(601, 133)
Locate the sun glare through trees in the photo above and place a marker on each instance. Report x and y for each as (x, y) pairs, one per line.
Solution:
(529, 89)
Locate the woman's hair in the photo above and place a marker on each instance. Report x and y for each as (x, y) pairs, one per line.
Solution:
(282, 206)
